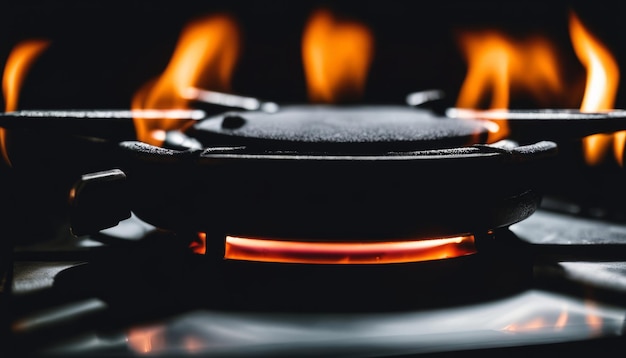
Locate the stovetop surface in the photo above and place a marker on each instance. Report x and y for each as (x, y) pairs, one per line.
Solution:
(574, 302)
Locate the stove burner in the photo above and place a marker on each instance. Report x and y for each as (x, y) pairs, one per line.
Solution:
(371, 181)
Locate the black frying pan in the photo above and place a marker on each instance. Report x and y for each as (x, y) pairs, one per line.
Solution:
(327, 173)
(324, 172)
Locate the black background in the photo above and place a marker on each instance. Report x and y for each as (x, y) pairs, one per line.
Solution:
(102, 51)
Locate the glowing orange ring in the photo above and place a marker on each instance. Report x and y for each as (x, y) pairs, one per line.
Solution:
(307, 252)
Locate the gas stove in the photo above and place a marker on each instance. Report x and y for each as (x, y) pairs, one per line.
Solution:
(341, 218)
(197, 270)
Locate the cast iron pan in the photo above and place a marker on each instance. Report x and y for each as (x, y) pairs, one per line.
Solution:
(324, 173)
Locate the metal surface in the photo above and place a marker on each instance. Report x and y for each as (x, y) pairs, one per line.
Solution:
(113, 125)
(98, 201)
(548, 124)
(374, 128)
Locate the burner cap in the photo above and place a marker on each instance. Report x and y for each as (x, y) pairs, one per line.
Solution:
(325, 128)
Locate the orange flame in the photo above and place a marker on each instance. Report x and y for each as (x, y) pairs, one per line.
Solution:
(336, 56)
(498, 64)
(600, 90)
(18, 63)
(198, 246)
(205, 57)
(265, 250)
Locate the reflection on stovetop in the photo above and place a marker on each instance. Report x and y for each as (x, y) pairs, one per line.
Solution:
(558, 285)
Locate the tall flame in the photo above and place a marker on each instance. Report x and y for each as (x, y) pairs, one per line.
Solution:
(205, 57)
(498, 64)
(19, 61)
(336, 56)
(600, 90)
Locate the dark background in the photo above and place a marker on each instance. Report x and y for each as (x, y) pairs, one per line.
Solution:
(103, 51)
